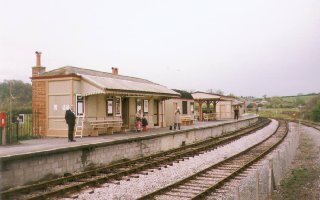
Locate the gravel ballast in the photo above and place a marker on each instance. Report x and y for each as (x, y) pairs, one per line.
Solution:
(145, 184)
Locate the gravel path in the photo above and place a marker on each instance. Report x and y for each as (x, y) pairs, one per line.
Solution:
(145, 184)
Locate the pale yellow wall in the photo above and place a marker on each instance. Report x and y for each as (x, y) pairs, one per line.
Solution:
(95, 107)
(58, 99)
(224, 109)
(63, 92)
(57, 123)
(59, 87)
(57, 104)
(77, 87)
(90, 108)
(133, 111)
(101, 108)
(170, 109)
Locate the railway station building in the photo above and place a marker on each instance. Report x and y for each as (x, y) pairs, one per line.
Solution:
(186, 104)
(97, 97)
(215, 106)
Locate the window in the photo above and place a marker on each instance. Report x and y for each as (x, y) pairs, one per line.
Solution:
(79, 106)
(145, 106)
(184, 107)
(110, 106)
(139, 104)
(118, 106)
(192, 107)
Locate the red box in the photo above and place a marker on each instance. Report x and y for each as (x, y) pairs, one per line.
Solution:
(3, 117)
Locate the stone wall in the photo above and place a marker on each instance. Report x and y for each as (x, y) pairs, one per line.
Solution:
(23, 169)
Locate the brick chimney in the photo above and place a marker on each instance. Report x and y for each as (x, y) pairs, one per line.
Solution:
(39, 98)
(38, 55)
(114, 71)
(38, 69)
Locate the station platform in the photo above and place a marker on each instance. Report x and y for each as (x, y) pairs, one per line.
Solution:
(52, 144)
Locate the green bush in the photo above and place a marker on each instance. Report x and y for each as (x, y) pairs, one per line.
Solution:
(250, 105)
(316, 113)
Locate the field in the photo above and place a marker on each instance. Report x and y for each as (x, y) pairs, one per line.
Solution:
(301, 98)
(278, 112)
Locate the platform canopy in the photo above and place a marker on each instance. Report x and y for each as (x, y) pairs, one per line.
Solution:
(202, 97)
(236, 102)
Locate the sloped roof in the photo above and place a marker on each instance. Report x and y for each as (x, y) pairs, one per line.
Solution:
(237, 102)
(204, 96)
(110, 82)
(209, 96)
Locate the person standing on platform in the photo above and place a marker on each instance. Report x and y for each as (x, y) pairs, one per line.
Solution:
(71, 121)
(236, 112)
(144, 123)
(177, 118)
(138, 120)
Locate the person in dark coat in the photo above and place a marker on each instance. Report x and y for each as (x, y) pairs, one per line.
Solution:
(236, 112)
(144, 123)
(71, 121)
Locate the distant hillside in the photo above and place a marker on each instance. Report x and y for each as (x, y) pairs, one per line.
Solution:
(284, 101)
(21, 93)
(303, 97)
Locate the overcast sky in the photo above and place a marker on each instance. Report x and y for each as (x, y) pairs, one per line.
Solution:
(243, 47)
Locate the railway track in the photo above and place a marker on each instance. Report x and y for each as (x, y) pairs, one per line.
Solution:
(208, 181)
(119, 171)
(311, 124)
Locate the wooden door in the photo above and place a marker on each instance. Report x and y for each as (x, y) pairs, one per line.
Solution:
(125, 111)
(156, 112)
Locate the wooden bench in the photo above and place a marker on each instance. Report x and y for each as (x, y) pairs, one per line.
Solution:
(186, 119)
(209, 116)
(107, 125)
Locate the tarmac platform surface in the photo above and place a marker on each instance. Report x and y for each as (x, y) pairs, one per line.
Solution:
(49, 144)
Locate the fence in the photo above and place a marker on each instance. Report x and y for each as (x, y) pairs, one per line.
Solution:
(16, 130)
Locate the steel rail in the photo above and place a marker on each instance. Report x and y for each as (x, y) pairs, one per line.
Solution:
(312, 125)
(206, 191)
(116, 171)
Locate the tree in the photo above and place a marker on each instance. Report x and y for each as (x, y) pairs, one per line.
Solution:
(219, 92)
(299, 101)
(210, 91)
(276, 102)
(22, 93)
(191, 91)
(250, 105)
(316, 113)
(309, 111)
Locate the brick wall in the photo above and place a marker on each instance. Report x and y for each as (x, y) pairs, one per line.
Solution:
(39, 117)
